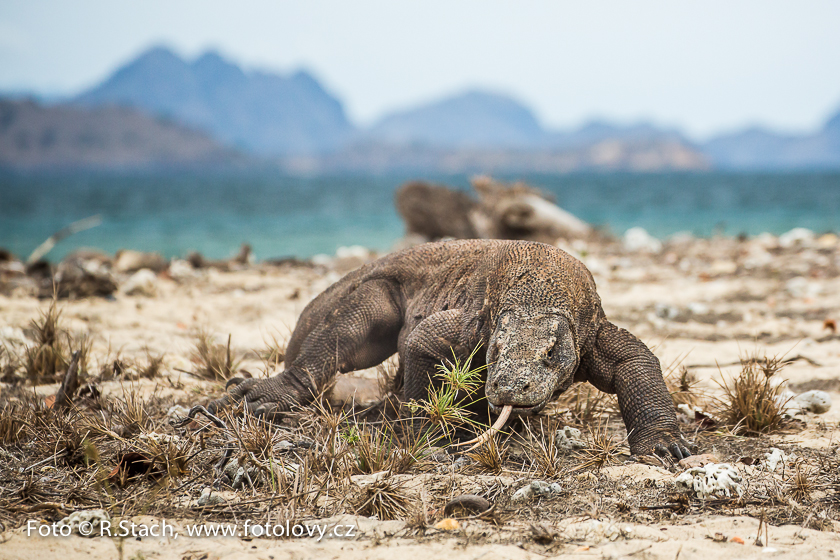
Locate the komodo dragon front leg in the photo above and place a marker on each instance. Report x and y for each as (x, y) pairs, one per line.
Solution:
(435, 341)
(345, 330)
(619, 363)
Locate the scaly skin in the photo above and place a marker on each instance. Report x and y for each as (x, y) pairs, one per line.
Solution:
(531, 308)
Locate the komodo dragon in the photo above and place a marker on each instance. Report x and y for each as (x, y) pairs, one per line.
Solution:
(530, 308)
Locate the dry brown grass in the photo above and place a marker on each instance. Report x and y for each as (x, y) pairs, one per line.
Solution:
(130, 415)
(490, 457)
(151, 367)
(601, 450)
(170, 456)
(48, 359)
(801, 484)
(9, 365)
(586, 403)
(274, 352)
(60, 437)
(213, 361)
(303, 468)
(384, 499)
(541, 447)
(682, 385)
(388, 448)
(752, 402)
(13, 424)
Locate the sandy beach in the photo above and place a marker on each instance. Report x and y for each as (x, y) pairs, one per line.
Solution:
(702, 305)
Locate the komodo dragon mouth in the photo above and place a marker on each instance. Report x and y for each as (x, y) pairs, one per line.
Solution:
(504, 413)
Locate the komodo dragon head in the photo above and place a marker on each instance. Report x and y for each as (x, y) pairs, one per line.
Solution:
(532, 355)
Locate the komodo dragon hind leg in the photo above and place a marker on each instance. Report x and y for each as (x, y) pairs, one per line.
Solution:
(621, 364)
(360, 331)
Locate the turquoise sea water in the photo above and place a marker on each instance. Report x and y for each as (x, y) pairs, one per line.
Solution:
(292, 216)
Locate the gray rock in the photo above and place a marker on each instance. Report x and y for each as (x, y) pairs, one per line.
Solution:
(207, 498)
(90, 520)
(535, 489)
(569, 438)
(814, 401)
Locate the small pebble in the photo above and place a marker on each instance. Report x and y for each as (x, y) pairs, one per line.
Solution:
(447, 524)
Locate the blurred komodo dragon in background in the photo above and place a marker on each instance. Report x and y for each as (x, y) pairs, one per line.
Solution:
(530, 308)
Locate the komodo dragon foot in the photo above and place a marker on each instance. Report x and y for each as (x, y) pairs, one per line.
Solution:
(261, 397)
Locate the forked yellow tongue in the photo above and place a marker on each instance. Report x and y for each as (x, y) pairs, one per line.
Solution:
(497, 425)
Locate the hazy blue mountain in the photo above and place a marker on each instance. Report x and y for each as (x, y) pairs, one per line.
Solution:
(472, 120)
(35, 136)
(597, 131)
(758, 148)
(267, 114)
(293, 117)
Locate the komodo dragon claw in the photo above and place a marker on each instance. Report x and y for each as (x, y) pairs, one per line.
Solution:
(674, 450)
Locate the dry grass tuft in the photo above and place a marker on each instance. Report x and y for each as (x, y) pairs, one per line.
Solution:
(152, 366)
(542, 448)
(10, 363)
(172, 456)
(800, 486)
(274, 353)
(214, 361)
(257, 436)
(601, 449)
(682, 385)
(14, 424)
(490, 456)
(60, 436)
(753, 402)
(383, 499)
(585, 403)
(49, 358)
(128, 416)
(331, 453)
(386, 448)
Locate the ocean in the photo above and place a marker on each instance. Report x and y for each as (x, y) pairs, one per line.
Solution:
(282, 216)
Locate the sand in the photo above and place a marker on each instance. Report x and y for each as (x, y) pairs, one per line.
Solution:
(699, 303)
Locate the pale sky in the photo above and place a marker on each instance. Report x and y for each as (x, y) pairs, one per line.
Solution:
(704, 67)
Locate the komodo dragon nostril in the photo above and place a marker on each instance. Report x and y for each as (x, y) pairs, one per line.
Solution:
(526, 386)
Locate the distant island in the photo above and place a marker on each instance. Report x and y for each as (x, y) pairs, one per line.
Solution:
(160, 111)
(63, 137)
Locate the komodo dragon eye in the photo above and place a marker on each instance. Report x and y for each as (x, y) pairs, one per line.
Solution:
(550, 353)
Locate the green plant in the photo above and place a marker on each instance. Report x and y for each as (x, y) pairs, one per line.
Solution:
(446, 405)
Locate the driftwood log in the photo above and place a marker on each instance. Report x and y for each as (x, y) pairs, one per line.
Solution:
(500, 211)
